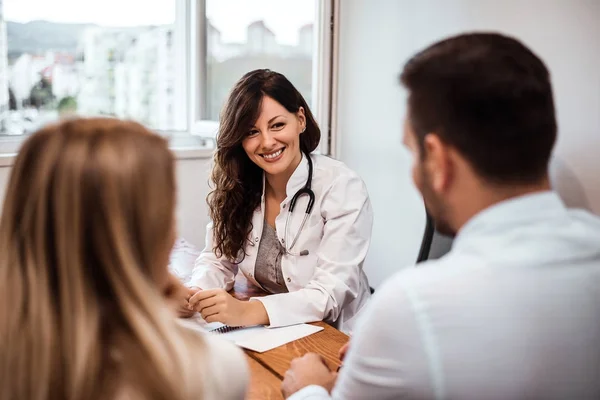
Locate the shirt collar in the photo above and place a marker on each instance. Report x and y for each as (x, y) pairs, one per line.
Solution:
(297, 180)
(512, 212)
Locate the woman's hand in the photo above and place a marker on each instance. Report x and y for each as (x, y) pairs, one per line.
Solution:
(183, 306)
(216, 305)
(177, 296)
(183, 310)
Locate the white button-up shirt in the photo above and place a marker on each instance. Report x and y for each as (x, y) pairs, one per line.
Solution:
(512, 312)
(326, 282)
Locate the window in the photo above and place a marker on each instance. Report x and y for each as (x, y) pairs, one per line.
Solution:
(294, 37)
(274, 34)
(169, 66)
(70, 57)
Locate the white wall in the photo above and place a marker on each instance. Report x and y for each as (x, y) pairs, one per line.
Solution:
(192, 213)
(378, 36)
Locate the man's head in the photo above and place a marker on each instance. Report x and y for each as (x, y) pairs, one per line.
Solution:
(480, 123)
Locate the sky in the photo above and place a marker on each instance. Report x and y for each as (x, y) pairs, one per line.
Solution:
(231, 17)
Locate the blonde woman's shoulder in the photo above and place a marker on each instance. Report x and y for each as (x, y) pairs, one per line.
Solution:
(229, 368)
(224, 367)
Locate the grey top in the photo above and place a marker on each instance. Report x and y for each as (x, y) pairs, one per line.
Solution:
(267, 270)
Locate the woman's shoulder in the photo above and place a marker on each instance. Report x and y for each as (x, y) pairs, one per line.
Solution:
(330, 172)
(223, 350)
(224, 364)
(326, 166)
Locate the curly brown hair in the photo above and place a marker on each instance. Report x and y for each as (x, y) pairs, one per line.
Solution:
(237, 180)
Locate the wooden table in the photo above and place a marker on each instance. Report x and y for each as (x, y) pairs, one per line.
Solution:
(267, 369)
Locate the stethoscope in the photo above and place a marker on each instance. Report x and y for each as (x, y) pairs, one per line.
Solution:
(306, 190)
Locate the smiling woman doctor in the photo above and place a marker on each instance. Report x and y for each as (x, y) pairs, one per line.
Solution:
(294, 223)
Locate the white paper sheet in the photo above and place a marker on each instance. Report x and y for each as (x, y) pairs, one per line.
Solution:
(255, 338)
(261, 339)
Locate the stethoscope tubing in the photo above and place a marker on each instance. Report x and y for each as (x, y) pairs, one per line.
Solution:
(305, 190)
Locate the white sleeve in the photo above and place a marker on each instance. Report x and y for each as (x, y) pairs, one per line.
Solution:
(387, 357)
(211, 272)
(182, 259)
(313, 392)
(348, 217)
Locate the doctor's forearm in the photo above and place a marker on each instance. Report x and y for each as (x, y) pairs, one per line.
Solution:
(256, 313)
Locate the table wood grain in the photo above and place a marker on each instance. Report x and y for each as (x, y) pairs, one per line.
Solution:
(326, 342)
(263, 383)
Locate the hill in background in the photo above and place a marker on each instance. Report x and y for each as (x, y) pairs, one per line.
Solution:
(37, 37)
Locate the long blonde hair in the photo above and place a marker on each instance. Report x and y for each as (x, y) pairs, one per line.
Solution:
(85, 232)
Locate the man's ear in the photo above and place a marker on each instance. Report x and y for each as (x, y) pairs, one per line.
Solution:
(438, 162)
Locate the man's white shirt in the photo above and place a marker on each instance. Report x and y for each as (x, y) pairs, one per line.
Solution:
(512, 312)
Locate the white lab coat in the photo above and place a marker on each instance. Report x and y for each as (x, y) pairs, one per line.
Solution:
(327, 284)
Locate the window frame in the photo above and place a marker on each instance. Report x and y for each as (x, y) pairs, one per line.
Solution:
(197, 139)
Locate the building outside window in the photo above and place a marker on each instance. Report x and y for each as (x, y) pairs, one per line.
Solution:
(167, 66)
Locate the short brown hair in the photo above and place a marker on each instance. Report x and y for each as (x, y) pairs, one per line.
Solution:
(490, 97)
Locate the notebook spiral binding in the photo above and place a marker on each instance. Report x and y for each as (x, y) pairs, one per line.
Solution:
(225, 329)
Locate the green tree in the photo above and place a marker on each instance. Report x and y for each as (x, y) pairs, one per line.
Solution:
(67, 105)
(41, 94)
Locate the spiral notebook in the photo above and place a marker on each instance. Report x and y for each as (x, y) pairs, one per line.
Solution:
(257, 338)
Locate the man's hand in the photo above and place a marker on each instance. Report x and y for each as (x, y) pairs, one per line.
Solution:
(216, 305)
(305, 371)
(343, 351)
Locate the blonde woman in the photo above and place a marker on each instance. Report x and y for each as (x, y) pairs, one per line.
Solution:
(85, 234)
